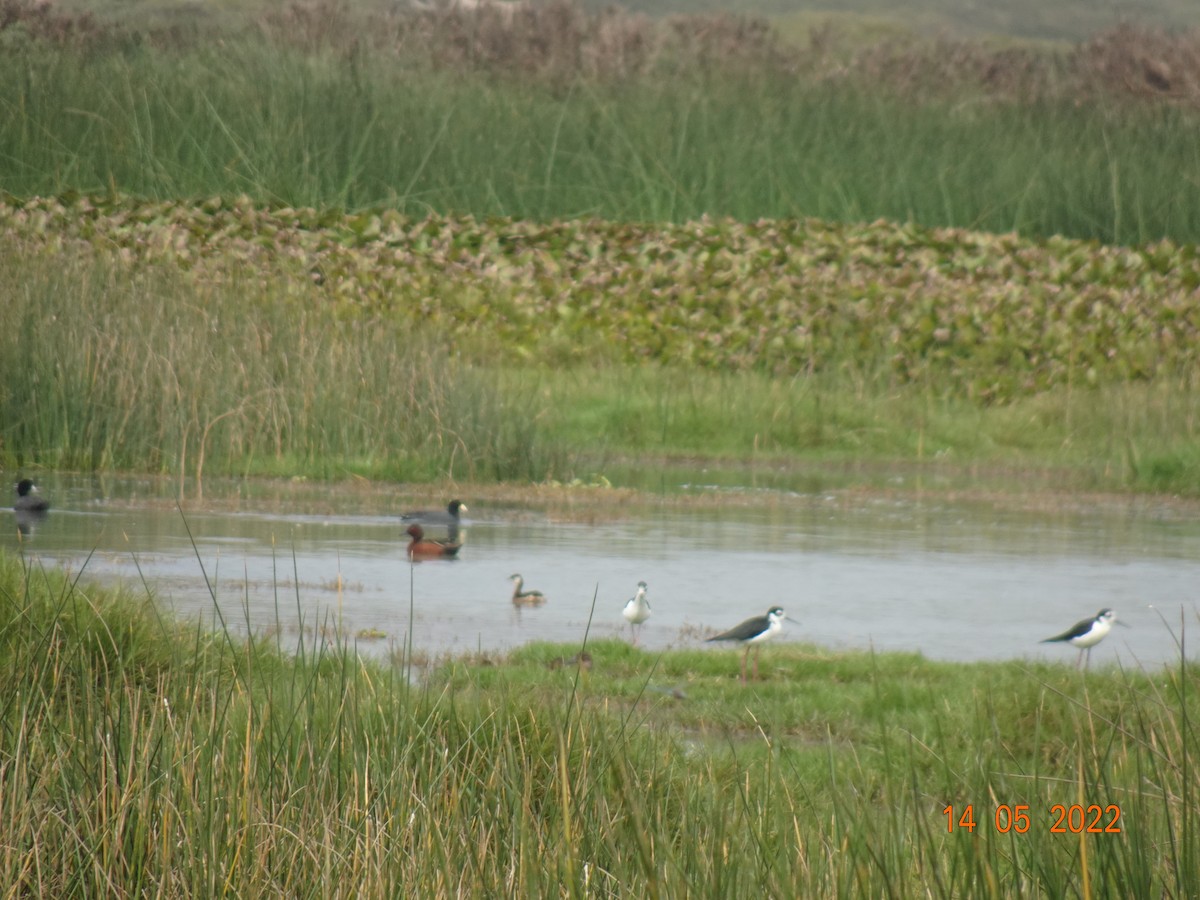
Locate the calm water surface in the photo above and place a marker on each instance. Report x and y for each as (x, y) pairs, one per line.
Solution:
(955, 581)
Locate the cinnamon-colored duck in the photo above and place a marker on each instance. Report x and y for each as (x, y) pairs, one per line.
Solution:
(424, 548)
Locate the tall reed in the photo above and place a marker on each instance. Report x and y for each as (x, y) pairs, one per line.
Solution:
(355, 125)
(108, 369)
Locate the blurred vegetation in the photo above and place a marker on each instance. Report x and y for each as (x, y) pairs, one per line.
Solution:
(1060, 20)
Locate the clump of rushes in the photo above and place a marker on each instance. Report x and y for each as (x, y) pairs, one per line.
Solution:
(156, 368)
(144, 756)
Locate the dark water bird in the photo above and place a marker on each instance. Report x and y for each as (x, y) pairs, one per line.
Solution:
(442, 518)
(1087, 633)
(522, 597)
(28, 497)
(753, 632)
(422, 547)
(637, 610)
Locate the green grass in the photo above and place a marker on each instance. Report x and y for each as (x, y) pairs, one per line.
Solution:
(329, 127)
(143, 756)
(1138, 437)
(143, 339)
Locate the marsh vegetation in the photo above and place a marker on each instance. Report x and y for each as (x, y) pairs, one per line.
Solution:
(560, 113)
(232, 339)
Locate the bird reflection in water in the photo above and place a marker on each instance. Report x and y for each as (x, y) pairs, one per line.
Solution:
(30, 508)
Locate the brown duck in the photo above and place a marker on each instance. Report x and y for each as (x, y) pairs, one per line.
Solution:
(424, 548)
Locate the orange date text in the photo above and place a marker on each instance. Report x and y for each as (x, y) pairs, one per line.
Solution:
(1075, 818)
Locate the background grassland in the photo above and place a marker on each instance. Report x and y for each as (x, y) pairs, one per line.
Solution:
(149, 757)
(1061, 20)
(560, 114)
(1057, 20)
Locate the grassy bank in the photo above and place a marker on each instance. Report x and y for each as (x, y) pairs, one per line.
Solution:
(228, 339)
(561, 114)
(1137, 437)
(143, 756)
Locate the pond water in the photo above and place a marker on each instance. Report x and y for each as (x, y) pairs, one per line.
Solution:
(955, 580)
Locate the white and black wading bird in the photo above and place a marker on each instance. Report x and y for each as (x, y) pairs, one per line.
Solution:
(1086, 633)
(637, 610)
(753, 632)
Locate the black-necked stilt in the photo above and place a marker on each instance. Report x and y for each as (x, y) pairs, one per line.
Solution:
(422, 547)
(637, 610)
(1086, 633)
(754, 631)
(28, 498)
(447, 517)
(525, 598)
